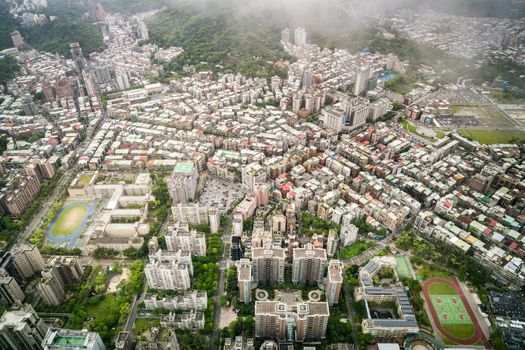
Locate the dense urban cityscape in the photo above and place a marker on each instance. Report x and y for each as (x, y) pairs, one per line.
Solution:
(222, 175)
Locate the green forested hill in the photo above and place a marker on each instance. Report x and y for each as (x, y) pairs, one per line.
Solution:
(54, 36)
(216, 37)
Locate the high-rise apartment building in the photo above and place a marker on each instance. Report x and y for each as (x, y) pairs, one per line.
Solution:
(17, 39)
(68, 267)
(214, 220)
(244, 280)
(268, 264)
(22, 262)
(10, 291)
(348, 234)
(69, 339)
(334, 281)
(253, 174)
(331, 243)
(236, 248)
(51, 287)
(285, 35)
(76, 54)
(308, 265)
(184, 239)
(18, 198)
(300, 36)
(183, 183)
(278, 223)
(294, 321)
(22, 329)
(362, 74)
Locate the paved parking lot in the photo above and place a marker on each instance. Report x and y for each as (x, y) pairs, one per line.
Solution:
(220, 193)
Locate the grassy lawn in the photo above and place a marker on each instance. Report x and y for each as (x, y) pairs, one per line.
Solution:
(356, 249)
(143, 324)
(490, 137)
(84, 180)
(463, 331)
(104, 309)
(69, 220)
(427, 271)
(407, 126)
(503, 97)
(441, 288)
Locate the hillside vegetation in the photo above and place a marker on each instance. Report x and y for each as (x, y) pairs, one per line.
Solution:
(214, 39)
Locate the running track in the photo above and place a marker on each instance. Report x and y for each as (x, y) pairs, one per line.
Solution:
(478, 334)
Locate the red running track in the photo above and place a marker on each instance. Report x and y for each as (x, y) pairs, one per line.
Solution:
(478, 334)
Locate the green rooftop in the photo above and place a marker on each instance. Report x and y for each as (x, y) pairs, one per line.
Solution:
(183, 167)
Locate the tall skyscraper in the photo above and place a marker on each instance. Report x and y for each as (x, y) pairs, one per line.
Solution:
(268, 264)
(17, 39)
(22, 329)
(334, 281)
(291, 321)
(300, 36)
(237, 224)
(244, 280)
(362, 74)
(308, 265)
(169, 270)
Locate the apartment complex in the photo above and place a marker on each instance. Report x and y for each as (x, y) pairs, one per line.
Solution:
(293, 321)
(169, 270)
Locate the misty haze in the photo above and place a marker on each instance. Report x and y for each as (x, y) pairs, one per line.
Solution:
(262, 174)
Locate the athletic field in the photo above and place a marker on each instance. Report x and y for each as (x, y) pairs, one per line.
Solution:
(451, 312)
(69, 222)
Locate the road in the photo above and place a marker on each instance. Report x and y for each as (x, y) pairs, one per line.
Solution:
(134, 309)
(57, 192)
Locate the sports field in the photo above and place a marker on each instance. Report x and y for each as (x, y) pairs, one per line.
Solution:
(69, 220)
(451, 313)
(402, 268)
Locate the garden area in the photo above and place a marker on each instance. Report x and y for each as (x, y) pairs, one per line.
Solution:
(356, 249)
